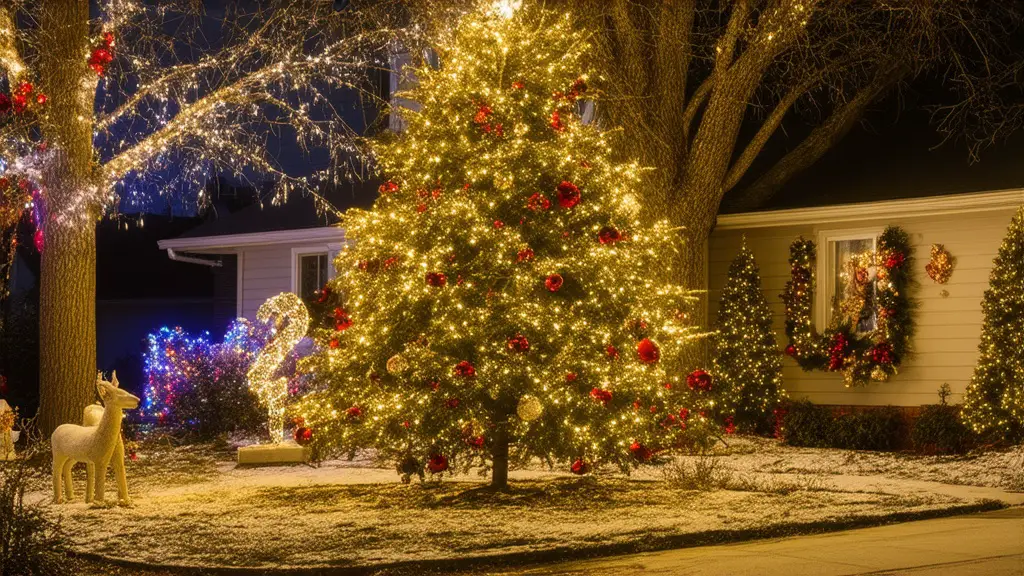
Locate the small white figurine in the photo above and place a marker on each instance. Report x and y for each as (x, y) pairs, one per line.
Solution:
(95, 444)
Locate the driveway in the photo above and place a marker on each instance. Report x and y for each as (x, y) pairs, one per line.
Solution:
(988, 544)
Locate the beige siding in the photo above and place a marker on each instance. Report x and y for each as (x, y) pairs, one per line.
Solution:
(949, 328)
(266, 272)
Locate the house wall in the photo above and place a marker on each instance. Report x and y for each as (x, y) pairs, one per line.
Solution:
(266, 271)
(948, 328)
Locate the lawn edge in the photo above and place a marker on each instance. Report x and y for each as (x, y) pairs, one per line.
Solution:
(646, 544)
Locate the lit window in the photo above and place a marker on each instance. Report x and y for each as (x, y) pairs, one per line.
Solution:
(846, 270)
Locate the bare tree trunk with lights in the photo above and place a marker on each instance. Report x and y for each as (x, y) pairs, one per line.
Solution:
(700, 89)
(95, 103)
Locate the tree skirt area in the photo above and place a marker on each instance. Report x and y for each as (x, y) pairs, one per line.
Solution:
(194, 507)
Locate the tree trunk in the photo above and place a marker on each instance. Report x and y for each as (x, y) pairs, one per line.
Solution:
(499, 457)
(67, 299)
(67, 326)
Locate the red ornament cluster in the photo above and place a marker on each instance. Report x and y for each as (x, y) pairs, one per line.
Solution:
(640, 452)
(895, 260)
(436, 279)
(465, 369)
(102, 54)
(518, 343)
(354, 412)
(882, 353)
(482, 121)
(342, 321)
(538, 202)
(601, 395)
(524, 255)
(388, 187)
(23, 97)
(838, 351)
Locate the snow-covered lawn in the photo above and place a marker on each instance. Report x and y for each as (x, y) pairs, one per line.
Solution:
(194, 507)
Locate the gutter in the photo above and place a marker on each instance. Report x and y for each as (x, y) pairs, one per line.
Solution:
(193, 259)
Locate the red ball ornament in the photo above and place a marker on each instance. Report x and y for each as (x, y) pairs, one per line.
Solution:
(579, 467)
(342, 321)
(601, 395)
(612, 352)
(518, 343)
(648, 351)
(640, 452)
(538, 202)
(303, 435)
(571, 377)
(465, 369)
(436, 279)
(609, 235)
(553, 282)
(524, 255)
(354, 412)
(498, 224)
(699, 380)
(791, 350)
(437, 464)
(568, 194)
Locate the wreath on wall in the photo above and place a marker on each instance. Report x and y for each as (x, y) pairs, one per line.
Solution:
(877, 286)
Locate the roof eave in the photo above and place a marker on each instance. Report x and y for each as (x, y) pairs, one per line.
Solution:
(906, 208)
(229, 243)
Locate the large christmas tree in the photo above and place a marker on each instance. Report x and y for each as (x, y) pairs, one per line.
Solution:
(994, 400)
(748, 363)
(501, 293)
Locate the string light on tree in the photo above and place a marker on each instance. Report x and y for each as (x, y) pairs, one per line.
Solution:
(747, 362)
(502, 261)
(994, 399)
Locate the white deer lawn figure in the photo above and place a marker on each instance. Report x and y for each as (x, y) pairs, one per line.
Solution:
(95, 444)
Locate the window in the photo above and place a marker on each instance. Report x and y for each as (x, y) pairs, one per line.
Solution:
(836, 252)
(311, 274)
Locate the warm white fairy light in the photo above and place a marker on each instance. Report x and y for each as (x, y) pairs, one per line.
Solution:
(291, 320)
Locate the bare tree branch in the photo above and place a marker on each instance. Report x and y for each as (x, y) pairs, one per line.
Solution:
(819, 141)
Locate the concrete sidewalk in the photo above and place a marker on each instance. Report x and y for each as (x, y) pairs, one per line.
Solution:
(991, 543)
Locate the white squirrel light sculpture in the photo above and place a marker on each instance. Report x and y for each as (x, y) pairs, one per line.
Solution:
(286, 309)
(95, 444)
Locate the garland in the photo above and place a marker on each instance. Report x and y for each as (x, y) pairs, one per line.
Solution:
(864, 357)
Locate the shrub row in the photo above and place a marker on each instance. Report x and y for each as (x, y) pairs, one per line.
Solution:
(937, 430)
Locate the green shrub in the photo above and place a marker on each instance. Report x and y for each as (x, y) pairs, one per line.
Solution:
(810, 425)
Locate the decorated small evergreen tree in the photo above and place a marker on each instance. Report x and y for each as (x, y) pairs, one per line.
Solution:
(747, 360)
(500, 300)
(994, 400)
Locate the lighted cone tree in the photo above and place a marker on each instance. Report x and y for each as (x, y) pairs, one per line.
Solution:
(747, 361)
(500, 301)
(132, 100)
(994, 400)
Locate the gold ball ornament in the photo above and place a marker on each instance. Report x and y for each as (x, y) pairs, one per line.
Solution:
(529, 408)
(397, 364)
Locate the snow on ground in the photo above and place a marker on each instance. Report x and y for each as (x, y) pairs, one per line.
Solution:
(193, 506)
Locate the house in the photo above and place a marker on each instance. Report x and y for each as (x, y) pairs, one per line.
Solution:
(271, 248)
(971, 227)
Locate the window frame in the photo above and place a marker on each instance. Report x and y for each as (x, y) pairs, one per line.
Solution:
(826, 271)
(329, 250)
